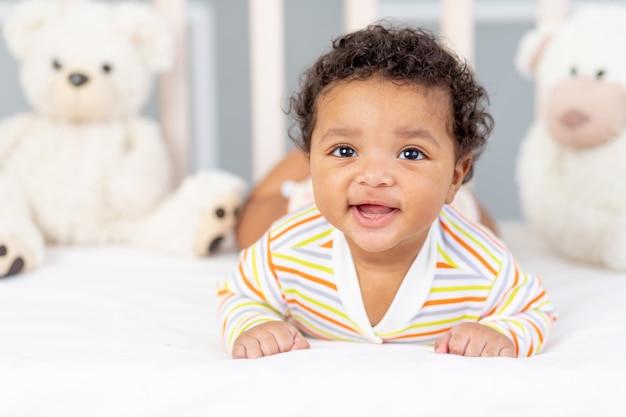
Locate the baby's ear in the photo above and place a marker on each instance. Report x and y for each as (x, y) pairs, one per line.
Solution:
(531, 48)
(149, 34)
(461, 169)
(24, 23)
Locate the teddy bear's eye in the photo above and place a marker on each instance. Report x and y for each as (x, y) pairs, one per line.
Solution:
(56, 64)
(107, 68)
(573, 71)
(600, 74)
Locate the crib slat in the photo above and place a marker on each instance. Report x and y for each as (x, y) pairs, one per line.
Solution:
(267, 69)
(359, 13)
(174, 107)
(551, 10)
(457, 26)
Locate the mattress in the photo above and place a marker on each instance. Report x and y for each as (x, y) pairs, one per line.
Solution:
(119, 331)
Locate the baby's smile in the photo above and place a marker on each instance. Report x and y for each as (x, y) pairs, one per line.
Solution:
(373, 215)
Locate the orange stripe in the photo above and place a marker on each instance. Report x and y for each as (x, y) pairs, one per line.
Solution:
(328, 244)
(530, 349)
(272, 268)
(249, 284)
(312, 332)
(444, 265)
(317, 313)
(516, 280)
(303, 221)
(469, 248)
(454, 300)
(413, 335)
(527, 306)
(307, 276)
(228, 295)
(488, 234)
(515, 342)
(537, 329)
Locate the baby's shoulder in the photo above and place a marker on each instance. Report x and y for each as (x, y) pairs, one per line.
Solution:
(298, 226)
(465, 244)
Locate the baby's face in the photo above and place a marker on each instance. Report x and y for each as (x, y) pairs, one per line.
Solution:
(383, 162)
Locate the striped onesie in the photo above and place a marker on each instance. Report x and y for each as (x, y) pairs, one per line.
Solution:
(301, 270)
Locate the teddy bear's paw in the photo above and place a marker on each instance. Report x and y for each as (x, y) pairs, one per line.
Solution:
(216, 225)
(15, 256)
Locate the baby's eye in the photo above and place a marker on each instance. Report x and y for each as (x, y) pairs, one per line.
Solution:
(344, 152)
(412, 154)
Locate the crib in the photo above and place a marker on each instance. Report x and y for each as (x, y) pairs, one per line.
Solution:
(120, 331)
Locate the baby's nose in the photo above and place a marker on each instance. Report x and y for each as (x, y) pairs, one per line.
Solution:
(375, 172)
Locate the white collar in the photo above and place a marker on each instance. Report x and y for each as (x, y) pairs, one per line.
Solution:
(411, 294)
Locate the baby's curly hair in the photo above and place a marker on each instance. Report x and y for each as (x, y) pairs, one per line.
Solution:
(401, 55)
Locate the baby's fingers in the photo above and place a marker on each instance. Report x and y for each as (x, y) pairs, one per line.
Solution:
(299, 342)
(247, 349)
(497, 349)
(268, 339)
(441, 344)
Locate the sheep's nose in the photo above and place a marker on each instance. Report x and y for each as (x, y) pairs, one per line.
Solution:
(78, 79)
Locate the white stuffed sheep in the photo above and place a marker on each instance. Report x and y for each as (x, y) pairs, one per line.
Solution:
(84, 167)
(571, 170)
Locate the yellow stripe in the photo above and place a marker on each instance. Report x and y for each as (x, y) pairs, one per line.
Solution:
(291, 219)
(322, 306)
(512, 295)
(429, 324)
(461, 288)
(445, 256)
(255, 270)
(314, 238)
(473, 239)
(299, 261)
(496, 328)
(308, 324)
(235, 326)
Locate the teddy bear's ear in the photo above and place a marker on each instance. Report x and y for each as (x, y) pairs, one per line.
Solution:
(151, 36)
(26, 19)
(531, 48)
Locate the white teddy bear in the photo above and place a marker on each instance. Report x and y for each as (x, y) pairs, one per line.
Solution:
(84, 167)
(571, 169)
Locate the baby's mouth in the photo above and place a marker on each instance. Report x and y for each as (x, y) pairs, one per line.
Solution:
(373, 215)
(373, 210)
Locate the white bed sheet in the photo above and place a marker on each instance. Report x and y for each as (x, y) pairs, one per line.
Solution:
(117, 331)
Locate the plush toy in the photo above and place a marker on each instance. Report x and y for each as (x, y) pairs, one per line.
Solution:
(84, 167)
(571, 170)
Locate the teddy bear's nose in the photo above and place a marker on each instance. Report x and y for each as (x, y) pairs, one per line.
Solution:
(78, 79)
(574, 119)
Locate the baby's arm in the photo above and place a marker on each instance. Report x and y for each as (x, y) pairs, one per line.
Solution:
(252, 308)
(518, 315)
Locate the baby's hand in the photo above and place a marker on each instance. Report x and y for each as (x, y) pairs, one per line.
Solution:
(474, 339)
(268, 339)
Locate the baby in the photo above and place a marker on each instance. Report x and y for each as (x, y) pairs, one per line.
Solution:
(391, 122)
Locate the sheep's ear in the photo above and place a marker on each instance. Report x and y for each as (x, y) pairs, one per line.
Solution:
(149, 34)
(531, 48)
(24, 22)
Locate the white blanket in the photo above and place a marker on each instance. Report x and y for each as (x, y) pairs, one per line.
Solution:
(116, 331)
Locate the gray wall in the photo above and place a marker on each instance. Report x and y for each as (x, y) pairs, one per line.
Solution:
(309, 27)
